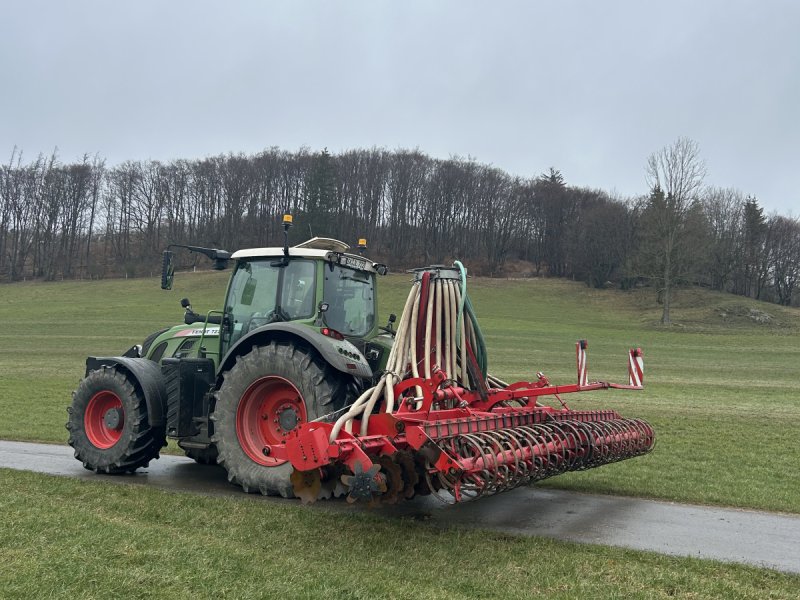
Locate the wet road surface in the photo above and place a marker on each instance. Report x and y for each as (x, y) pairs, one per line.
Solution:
(732, 535)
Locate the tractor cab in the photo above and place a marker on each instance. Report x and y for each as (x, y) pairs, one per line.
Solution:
(317, 292)
(316, 283)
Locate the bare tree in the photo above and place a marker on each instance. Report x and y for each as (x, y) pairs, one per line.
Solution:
(724, 210)
(96, 184)
(63, 220)
(675, 175)
(784, 256)
(600, 238)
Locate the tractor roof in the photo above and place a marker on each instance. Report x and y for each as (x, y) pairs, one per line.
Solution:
(315, 248)
(325, 244)
(278, 252)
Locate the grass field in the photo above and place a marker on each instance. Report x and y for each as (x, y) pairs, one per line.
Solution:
(61, 538)
(721, 392)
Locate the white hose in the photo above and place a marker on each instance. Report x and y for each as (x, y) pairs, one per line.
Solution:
(437, 315)
(428, 322)
(395, 364)
(370, 396)
(413, 340)
(348, 417)
(443, 301)
(450, 331)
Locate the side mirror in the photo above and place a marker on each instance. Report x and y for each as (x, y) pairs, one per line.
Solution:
(221, 258)
(322, 307)
(167, 271)
(389, 329)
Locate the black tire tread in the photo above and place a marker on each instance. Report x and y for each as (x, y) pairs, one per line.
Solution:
(139, 443)
(323, 389)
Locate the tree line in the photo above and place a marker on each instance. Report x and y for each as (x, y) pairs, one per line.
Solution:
(87, 219)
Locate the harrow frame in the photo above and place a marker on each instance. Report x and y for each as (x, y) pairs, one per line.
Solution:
(471, 442)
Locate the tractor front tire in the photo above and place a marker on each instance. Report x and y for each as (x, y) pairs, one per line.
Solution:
(265, 395)
(108, 424)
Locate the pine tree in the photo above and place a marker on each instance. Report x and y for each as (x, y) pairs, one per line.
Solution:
(754, 268)
(320, 201)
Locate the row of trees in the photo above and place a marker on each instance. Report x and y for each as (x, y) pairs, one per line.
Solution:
(87, 219)
(713, 236)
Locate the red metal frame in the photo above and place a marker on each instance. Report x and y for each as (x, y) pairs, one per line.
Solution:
(469, 436)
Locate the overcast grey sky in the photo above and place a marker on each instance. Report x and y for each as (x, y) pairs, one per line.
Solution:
(590, 88)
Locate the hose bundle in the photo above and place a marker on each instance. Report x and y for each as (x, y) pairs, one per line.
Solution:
(437, 329)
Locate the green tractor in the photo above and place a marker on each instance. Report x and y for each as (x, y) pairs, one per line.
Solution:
(296, 341)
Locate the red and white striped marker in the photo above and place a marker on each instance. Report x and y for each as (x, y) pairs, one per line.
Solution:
(583, 376)
(636, 367)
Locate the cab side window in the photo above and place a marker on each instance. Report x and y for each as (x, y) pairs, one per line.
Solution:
(298, 289)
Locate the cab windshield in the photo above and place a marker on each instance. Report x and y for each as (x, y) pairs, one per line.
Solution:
(350, 295)
(262, 292)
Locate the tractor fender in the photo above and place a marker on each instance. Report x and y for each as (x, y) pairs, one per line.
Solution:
(146, 374)
(342, 355)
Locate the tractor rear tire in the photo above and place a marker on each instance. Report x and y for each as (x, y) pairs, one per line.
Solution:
(203, 456)
(264, 395)
(108, 424)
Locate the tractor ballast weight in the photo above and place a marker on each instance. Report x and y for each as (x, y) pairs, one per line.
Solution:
(295, 390)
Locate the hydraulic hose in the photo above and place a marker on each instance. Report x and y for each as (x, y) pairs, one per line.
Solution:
(440, 307)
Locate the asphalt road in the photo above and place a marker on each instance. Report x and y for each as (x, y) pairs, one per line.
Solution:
(743, 536)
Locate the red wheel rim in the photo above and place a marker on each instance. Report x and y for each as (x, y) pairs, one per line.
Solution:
(104, 419)
(268, 410)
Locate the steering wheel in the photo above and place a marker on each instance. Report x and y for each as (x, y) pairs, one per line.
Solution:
(257, 320)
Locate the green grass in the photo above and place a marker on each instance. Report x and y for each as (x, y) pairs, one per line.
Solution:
(722, 396)
(61, 538)
(721, 391)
